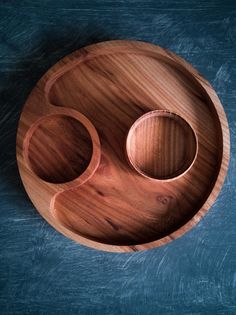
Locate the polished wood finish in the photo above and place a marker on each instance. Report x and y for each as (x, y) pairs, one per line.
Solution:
(60, 149)
(161, 145)
(110, 205)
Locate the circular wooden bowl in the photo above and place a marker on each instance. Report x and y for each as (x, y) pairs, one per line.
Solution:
(73, 130)
(62, 148)
(161, 145)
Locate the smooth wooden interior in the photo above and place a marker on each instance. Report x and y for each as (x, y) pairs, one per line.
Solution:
(60, 149)
(113, 84)
(118, 206)
(161, 145)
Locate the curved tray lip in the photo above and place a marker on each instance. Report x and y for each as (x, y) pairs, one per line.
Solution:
(91, 51)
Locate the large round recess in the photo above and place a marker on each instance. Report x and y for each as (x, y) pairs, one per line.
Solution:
(60, 149)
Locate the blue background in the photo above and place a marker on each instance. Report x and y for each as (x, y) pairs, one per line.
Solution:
(41, 271)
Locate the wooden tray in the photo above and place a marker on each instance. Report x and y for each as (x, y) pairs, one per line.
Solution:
(106, 190)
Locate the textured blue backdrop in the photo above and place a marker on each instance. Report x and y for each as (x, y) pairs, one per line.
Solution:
(42, 272)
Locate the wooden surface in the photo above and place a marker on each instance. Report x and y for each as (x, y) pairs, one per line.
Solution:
(113, 84)
(60, 149)
(43, 272)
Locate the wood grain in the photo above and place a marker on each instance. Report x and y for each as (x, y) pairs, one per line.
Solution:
(60, 149)
(117, 209)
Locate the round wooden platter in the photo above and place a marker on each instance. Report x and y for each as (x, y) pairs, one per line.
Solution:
(71, 146)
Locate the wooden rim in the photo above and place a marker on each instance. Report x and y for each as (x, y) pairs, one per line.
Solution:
(171, 115)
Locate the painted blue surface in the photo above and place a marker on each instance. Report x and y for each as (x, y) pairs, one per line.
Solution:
(42, 272)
